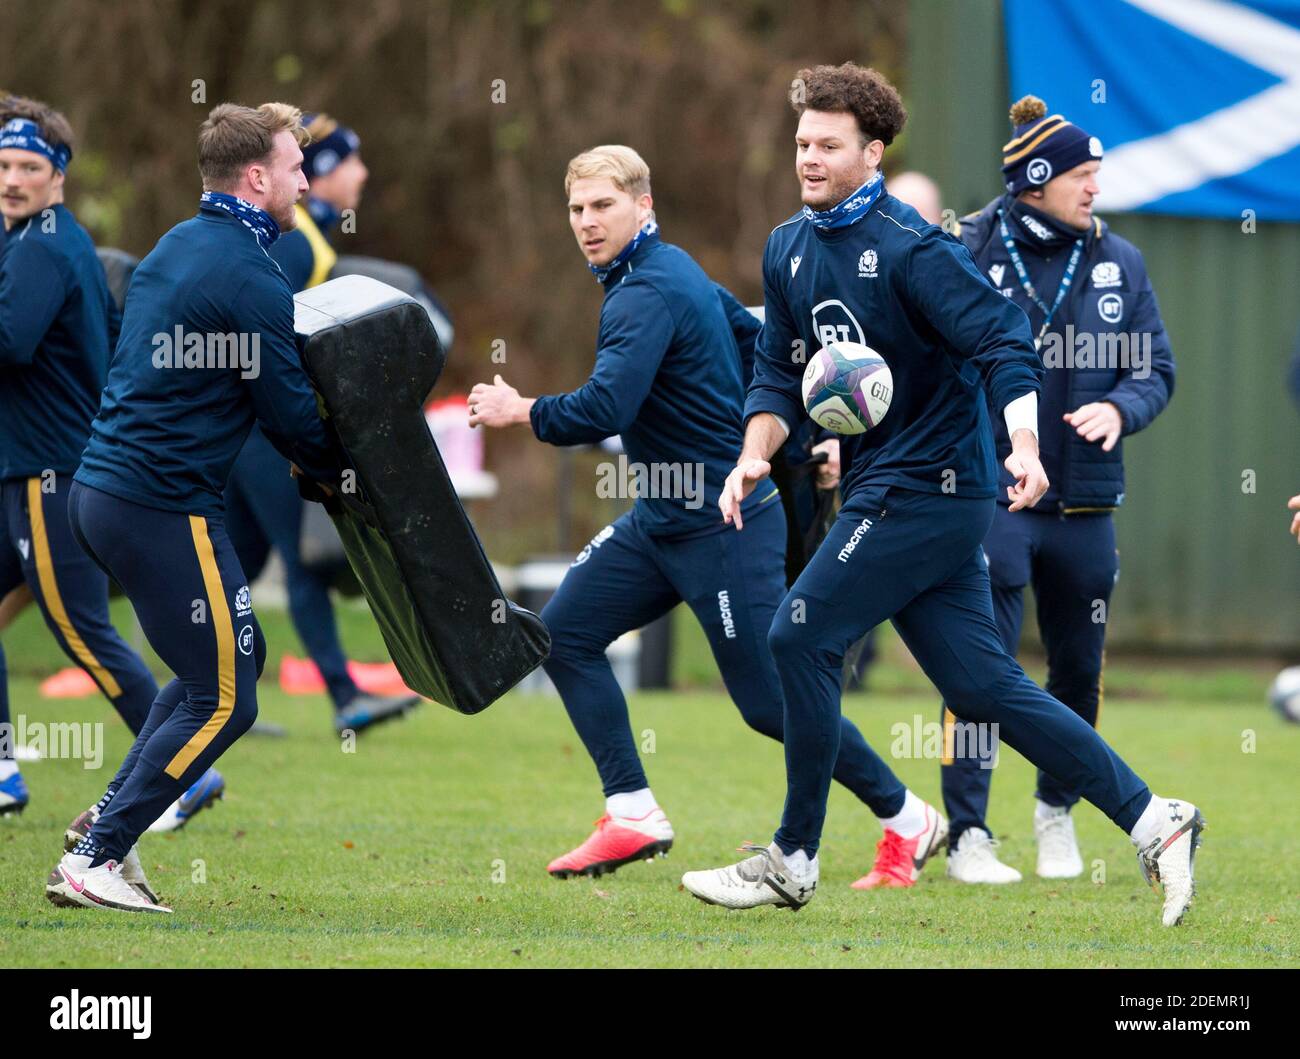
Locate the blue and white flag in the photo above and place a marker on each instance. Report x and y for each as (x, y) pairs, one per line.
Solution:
(1197, 102)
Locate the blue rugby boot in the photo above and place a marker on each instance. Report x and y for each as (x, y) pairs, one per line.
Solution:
(366, 711)
(206, 790)
(13, 794)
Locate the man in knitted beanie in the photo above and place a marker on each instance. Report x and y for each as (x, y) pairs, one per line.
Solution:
(1110, 373)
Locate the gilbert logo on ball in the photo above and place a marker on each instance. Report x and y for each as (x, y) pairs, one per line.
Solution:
(847, 388)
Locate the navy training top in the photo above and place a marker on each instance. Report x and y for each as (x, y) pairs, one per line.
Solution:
(207, 347)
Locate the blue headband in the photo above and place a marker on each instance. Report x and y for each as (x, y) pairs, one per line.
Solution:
(24, 135)
(323, 156)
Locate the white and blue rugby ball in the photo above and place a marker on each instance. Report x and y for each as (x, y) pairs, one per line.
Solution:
(847, 387)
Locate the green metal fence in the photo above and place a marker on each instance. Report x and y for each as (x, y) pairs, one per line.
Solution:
(1206, 563)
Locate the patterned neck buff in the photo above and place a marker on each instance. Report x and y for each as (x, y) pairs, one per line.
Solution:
(254, 218)
(602, 272)
(852, 209)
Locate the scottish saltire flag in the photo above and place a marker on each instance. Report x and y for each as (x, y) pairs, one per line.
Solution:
(1201, 111)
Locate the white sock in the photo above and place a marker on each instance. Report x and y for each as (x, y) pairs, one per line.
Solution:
(1043, 811)
(7, 768)
(633, 804)
(910, 820)
(1148, 824)
(798, 864)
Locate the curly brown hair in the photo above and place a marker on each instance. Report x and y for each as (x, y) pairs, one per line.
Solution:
(860, 90)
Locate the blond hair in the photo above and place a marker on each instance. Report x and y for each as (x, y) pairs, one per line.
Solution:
(622, 165)
(235, 136)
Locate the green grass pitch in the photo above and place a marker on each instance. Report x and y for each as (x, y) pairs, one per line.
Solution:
(427, 846)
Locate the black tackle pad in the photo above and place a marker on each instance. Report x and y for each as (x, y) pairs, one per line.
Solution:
(373, 356)
(405, 279)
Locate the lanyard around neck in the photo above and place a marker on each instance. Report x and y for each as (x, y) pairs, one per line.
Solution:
(1030, 290)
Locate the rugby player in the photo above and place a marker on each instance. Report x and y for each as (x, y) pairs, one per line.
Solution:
(668, 381)
(146, 501)
(856, 264)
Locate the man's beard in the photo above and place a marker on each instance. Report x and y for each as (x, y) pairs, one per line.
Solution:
(288, 219)
(837, 190)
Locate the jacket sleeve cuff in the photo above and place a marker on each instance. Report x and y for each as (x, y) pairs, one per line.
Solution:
(778, 404)
(535, 415)
(1128, 420)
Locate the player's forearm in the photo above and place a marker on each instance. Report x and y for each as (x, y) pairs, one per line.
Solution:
(314, 458)
(567, 419)
(286, 407)
(764, 434)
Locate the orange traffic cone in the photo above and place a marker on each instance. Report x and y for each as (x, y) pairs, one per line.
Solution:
(70, 683)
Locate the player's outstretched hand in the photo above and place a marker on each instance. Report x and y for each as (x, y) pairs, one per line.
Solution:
(497, 404)
(1031, 479)
(1294, 505)
(1099, 421)
(740, 483)
(828, 473)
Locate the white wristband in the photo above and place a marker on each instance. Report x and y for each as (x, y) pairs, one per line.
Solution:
(1022, 414)
(784, 425)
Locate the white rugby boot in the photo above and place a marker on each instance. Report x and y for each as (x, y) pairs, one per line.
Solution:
(1058, 850)
(74, 883)
(763, 879)
(1168, 858)
(975, 860)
